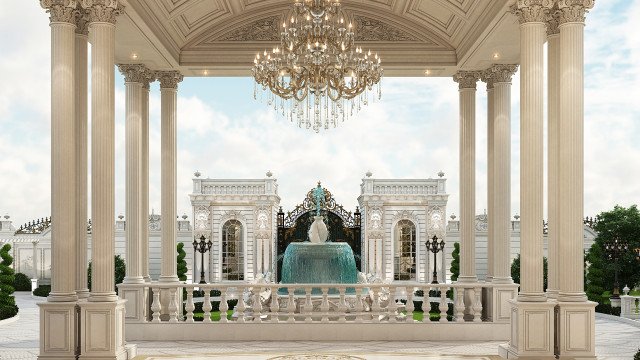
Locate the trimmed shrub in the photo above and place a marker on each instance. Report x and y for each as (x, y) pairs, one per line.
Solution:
(182, 264)
(22, 282)
(637, 355)
(8, 306)
(42, 290)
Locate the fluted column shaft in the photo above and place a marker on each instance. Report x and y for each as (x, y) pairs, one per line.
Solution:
(571, 150)
(553, 153)
(63, 169)
(144, 188)
(81, 155)
(134, 78)
(501, 173)
(490, 178)
(102, 38)
(532, 38)
(168, 97)
(467, 90)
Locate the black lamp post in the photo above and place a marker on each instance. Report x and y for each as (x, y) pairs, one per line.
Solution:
(435, 245)
(614, 249)
(202, 247)
(637, 251)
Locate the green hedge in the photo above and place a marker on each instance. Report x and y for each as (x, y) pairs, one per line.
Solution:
(637, 355)
(21, 282)
(8, 306)
(42, 290)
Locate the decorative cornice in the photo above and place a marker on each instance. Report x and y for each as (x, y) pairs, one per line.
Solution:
(105, 11)
(572, 11)
(531, 11)
(368, 29)
(60, 10)
(82, 22)
(136, 73)
(502, 73)
(467, 79)
(169, 79)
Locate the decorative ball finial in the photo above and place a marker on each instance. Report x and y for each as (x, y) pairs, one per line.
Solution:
(441, 174)
(120, 216)
(184, 216)
(269, 174)
(6, 216)
(368, 174)
(197, 174)
(453, 216)
(517, 217)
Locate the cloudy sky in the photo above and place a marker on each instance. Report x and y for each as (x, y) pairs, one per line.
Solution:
(411, 133)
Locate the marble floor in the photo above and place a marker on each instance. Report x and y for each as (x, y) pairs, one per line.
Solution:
(19, 340)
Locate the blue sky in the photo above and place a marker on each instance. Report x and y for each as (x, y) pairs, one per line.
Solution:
(411, 133)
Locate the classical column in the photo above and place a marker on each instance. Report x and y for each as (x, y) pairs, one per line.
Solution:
(134, 79)
(63, 179)
(487, 77)
(500, 218)
(102, 18)
(58, 316)
(576, 315)
(553, 153)
(81, 154)
(144, 189)
(168, 97)
(467, 89)
(35, 259)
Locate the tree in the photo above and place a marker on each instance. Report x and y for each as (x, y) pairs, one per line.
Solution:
(455, 262)
(8, 306)
(624, 224)
(182, 264)
(515, 271)
(120, 270)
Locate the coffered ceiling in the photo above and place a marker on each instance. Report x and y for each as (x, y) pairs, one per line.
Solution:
(220, 37)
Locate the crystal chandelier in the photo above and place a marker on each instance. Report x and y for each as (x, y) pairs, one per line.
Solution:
(317, 76)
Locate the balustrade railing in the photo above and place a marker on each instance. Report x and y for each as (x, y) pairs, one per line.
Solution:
(309, 303)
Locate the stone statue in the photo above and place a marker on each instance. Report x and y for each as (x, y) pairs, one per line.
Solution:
(318, 232)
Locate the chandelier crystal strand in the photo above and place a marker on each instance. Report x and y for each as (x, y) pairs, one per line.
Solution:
(317, 62)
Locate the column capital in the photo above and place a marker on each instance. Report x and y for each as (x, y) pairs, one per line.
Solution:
(60, 10)
(502, 73)
(572, 11)
(105, 11)
(531, 11)
(82, 22)
(169, 79)
(136, 73)
(487, 77)
(467, 79)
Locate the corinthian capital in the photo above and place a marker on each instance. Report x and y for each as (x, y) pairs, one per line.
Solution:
(553, 20)
(467, 79)
(60, 10)
(529, 11)
(502, 73)
(136, 73)
(82, 22)
(573, 10)
(103, 10)
(169, 79)
(487, 77)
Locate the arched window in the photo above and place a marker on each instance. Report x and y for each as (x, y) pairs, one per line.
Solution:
(232, 251)
(404, 260)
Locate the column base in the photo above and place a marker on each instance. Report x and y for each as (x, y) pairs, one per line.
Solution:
(498, 308)
(136, 296)
(575, 330)
(58, 330)
(532, 335)
(82, 294)
(102, 330)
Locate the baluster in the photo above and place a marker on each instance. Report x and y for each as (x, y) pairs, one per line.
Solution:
(224, 305)
(426, 304)
(359, 306)
(206, 305)
(459, 305)
(375, 305)
(155, 305)
(257, 306)
(477, 306)
(190, 306)
(308, 306)
(325, 305)
(173, 306)
(409, 305)
(391, 308)
(443, 304)
(241, 307)
(275, 305)
(291, 306)
(342, 308)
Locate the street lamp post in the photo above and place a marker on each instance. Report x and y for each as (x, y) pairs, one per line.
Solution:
(435, 245)
(615, 249)
(202, 247)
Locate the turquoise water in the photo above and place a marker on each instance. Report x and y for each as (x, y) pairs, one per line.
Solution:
(328, 263)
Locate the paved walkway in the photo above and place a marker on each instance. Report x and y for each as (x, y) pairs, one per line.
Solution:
(19, 340)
